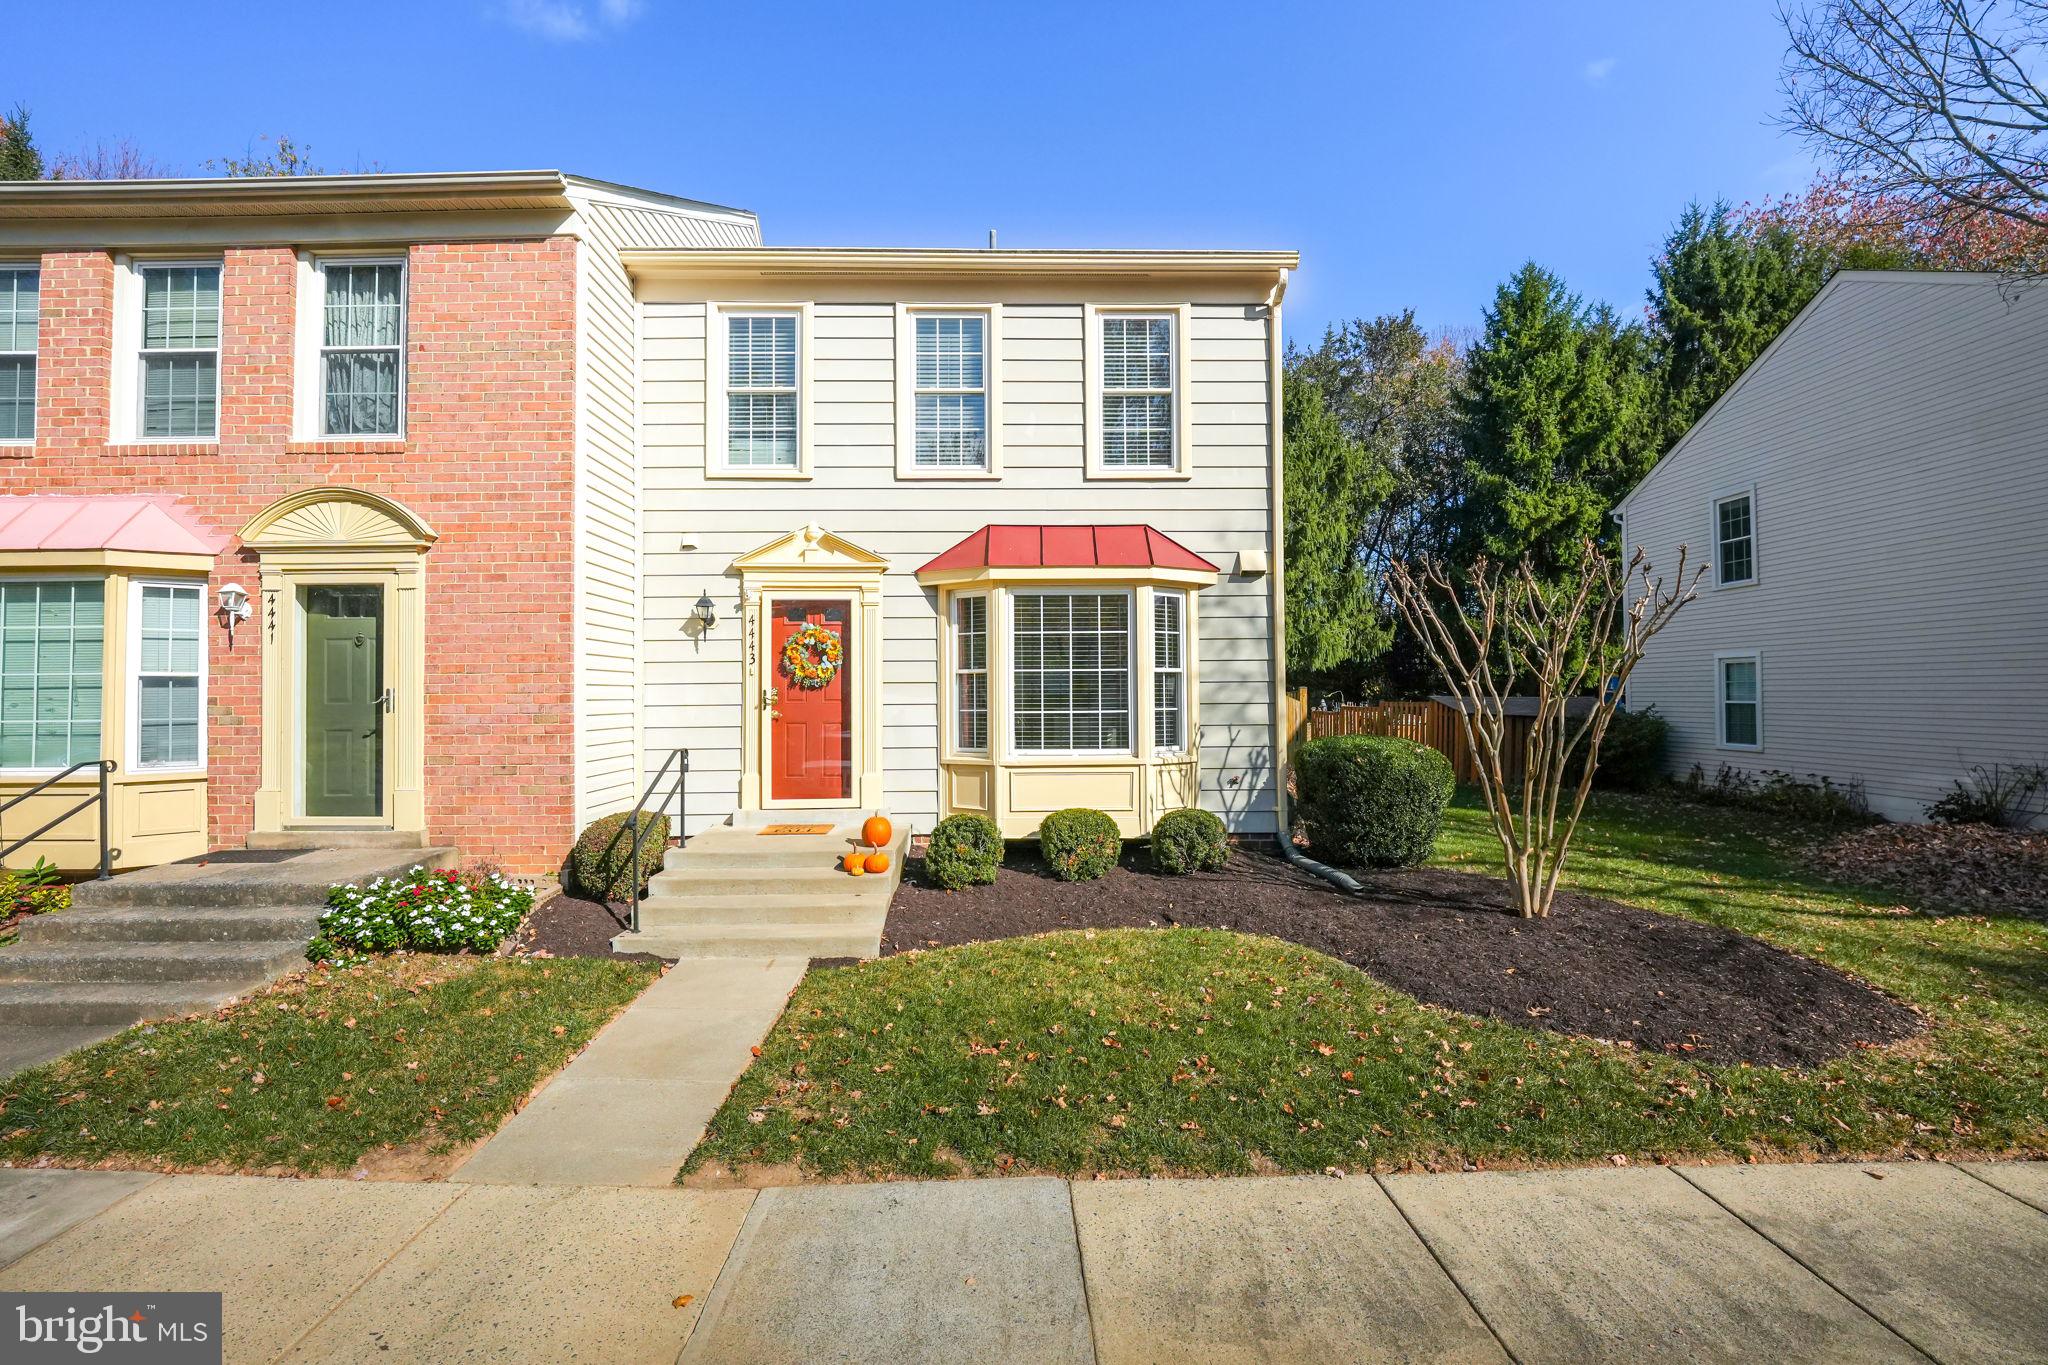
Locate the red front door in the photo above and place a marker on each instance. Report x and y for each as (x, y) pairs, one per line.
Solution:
(811, 732)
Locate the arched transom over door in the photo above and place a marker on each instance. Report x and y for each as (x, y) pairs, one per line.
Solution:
(343, 631)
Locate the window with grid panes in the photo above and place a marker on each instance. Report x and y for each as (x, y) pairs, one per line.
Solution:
(1137, 392)
(761, 390)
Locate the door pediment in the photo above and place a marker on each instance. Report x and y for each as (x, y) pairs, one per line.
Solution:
(811, 550)
(336, 517)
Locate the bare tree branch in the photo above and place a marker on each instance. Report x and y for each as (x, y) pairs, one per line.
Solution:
(1589, 630)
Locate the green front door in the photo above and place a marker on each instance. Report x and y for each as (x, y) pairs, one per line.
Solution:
(344, 701)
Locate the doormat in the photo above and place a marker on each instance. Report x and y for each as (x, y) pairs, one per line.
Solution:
(796, 829)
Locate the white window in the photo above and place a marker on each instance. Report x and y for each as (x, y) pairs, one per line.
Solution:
(1739, 698)
(170, 677)
(948, 391)
(1169, 672)
(52, 645)
(970, 673)
(1070, 672)
(762, 374)
(1137, 392)
(179, 353)
(362, 348)
(1734, 540)
(20, 298)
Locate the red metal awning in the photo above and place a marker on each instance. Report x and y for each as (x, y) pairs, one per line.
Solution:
(137, 525)
(1069, 547)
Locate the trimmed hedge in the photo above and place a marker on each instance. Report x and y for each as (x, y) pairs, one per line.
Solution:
(965, 850)
(1079, 844)
(1191, 840)
(1372, 800)
(598, 863)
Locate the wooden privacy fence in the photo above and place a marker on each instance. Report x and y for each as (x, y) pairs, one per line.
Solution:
(1426, 722)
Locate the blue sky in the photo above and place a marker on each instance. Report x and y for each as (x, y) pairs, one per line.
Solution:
(1414, 154)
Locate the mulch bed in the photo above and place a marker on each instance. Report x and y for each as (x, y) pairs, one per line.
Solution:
(569, 926)
(1594, 967)
(1971, 868)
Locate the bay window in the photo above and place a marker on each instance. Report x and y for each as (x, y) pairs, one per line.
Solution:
(1169, 672)
(1070, 672)
(170, 682)
(52, 643)
(970, 673)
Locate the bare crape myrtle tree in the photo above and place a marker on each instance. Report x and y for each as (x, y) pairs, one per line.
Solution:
(1502, 627)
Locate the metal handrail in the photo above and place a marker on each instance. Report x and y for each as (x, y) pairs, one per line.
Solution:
(680, 761)
(105, 766)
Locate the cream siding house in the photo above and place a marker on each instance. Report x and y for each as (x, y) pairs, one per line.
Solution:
(817, 427)
(1871, 498)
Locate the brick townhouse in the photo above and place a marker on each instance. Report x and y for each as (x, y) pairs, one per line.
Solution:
(317, 508)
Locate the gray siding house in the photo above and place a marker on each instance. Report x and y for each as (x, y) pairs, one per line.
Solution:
(1871, 499)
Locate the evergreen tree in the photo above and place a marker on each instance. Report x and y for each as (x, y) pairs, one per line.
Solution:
(1335, 489)
(1726, 285)
(1556, 420)
(19, 159)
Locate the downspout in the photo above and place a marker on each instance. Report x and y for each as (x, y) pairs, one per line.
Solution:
(1283, 818)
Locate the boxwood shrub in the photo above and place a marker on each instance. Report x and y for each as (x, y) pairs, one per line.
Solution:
(598, 863)
(1079, 844)
(428, 911)
(964, 850)
(1372, 800)
(1191, 840)
(1631, 752)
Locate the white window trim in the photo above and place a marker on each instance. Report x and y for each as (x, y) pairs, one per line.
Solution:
(907, 314)
(988, 659)
(1714, 536)
(1133, 710)
(715, 318)
(309, 335)
(35, 412)
(125, 421)
(1181, 315)
(1721, 698)
(1153, 670)
(133, 684)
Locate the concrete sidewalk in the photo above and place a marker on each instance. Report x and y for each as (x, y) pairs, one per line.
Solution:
(1902, 1261)
(629, 1107)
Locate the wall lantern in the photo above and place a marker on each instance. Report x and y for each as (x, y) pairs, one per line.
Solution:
(234, 608)
(705, 613)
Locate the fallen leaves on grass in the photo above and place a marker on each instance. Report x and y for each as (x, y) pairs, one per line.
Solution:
(1954, 867)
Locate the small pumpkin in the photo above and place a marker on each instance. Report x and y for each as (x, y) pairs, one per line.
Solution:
(877, 862)
(876, 832)
(853, 862)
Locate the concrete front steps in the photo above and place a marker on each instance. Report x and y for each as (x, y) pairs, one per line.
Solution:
(735, 892)
(177, 939)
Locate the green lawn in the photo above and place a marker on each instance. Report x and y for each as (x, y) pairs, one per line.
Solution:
(1205, 1052)
(411, 1054)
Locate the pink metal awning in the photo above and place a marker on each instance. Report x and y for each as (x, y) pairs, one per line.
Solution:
(136, 525)
(1069, 547)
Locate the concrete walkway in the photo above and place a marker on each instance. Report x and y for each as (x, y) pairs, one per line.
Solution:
(1872, 1262)
(630, 1107)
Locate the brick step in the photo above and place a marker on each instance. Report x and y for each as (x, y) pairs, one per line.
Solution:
(753, 910)
(762, 940)
(156, 924)
(67, 1004)
(129, 963)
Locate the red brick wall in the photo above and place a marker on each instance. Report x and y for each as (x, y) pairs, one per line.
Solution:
(487, 460)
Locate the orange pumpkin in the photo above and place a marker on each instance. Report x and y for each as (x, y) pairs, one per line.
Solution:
(878, 862)
(852, 862)
(876, 833)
